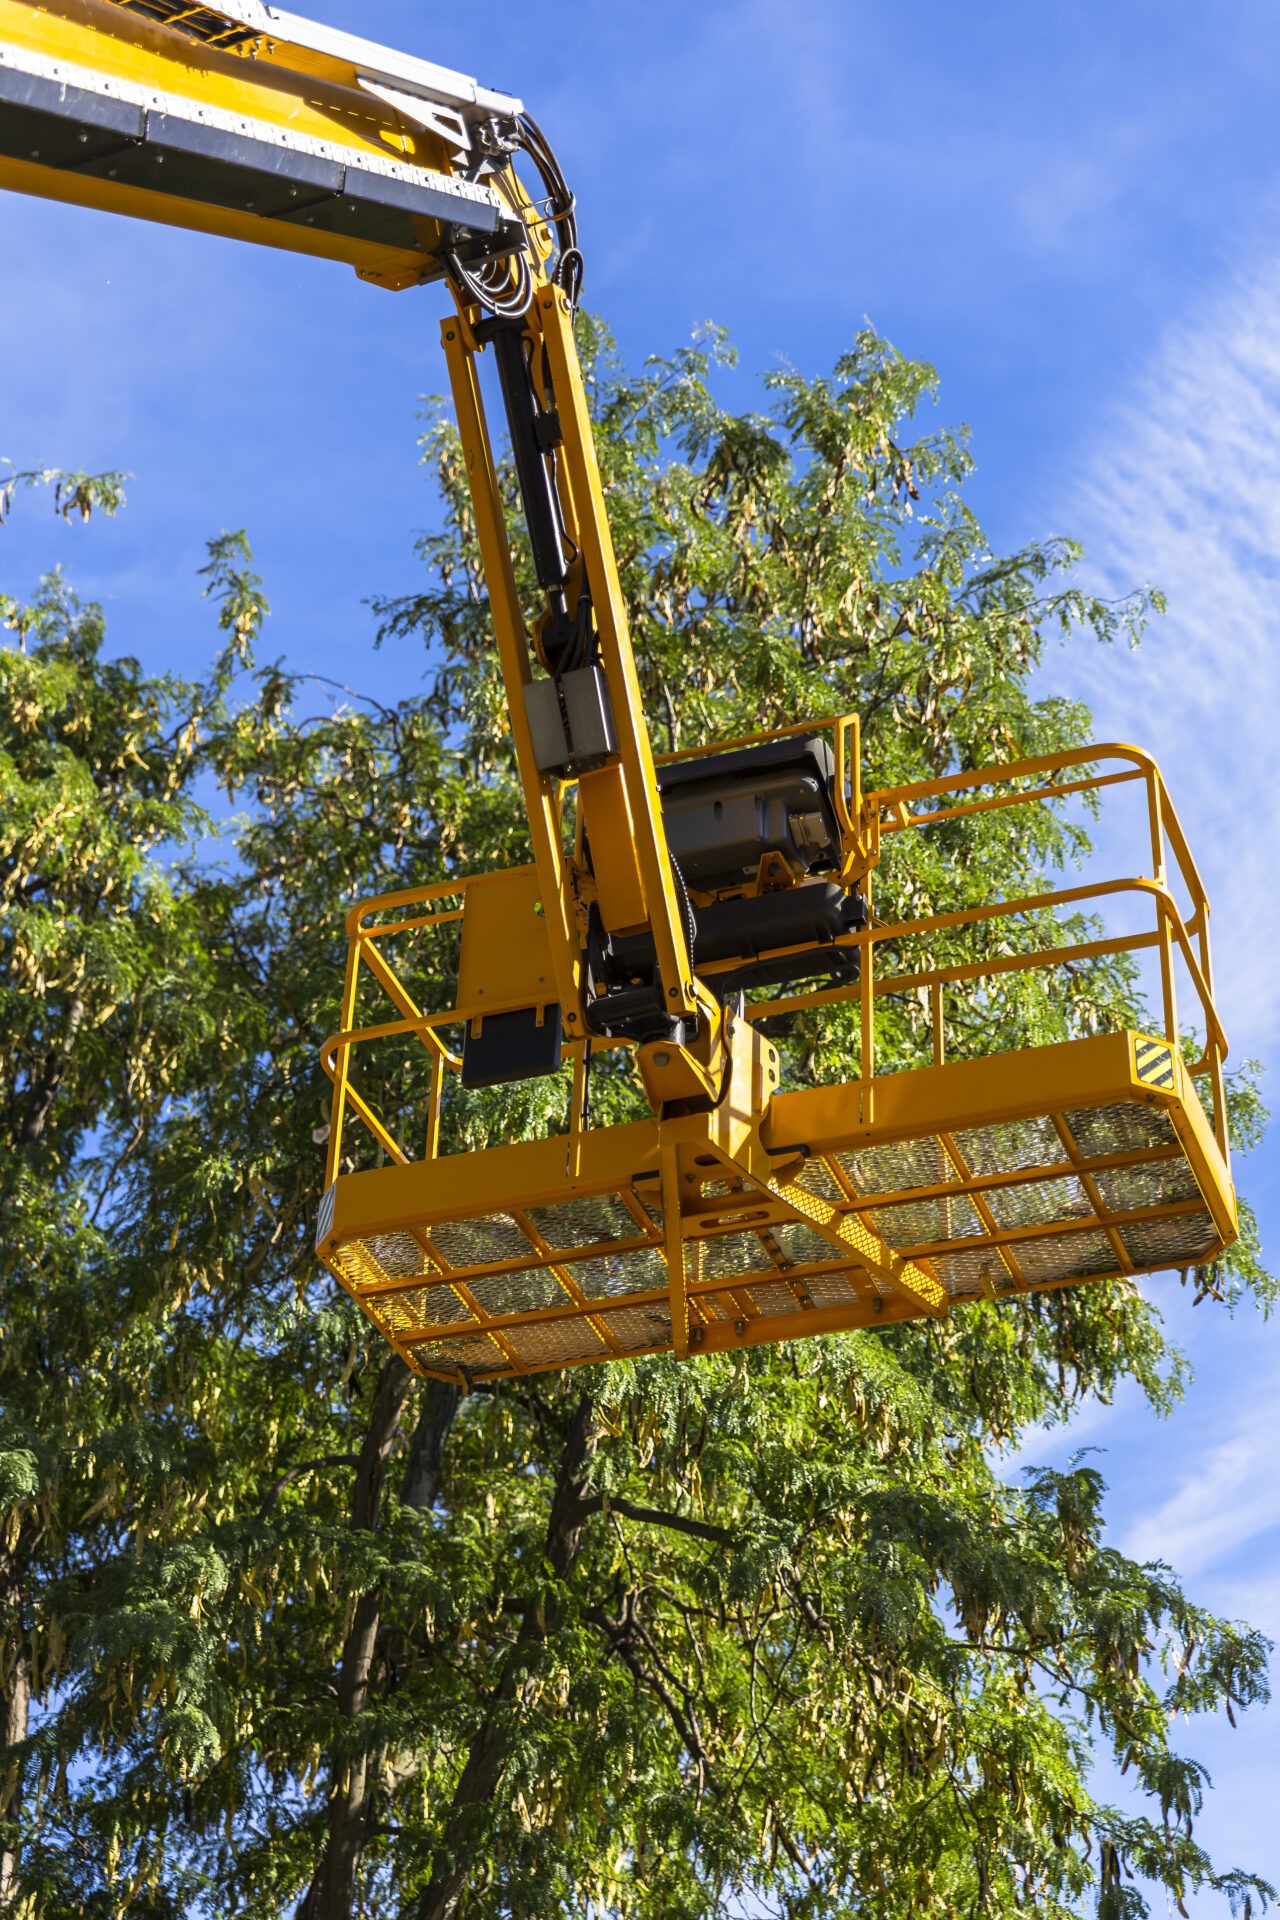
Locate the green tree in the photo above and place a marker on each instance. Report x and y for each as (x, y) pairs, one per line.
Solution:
(288, 1632)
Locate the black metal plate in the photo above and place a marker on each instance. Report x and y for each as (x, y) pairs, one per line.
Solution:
(512, 1046)
(59, 126)
(70, 129)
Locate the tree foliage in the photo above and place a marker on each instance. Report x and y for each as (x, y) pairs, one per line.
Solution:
(286, 1632)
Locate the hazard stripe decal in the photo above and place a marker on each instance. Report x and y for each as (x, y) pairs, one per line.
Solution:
(1153, 1064)
(324, 1220)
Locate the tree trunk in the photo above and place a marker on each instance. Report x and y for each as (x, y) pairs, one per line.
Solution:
(15, 1718)
(492, 1740)
(44, 1090)
(332, 1888)
(331, 1895)
(440, 1403)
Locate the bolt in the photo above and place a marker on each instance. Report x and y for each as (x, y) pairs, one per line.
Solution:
(662, 1059)
(739, 1327)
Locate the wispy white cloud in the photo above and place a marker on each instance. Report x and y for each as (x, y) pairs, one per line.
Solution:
(1226, 1501)
(1181, 488)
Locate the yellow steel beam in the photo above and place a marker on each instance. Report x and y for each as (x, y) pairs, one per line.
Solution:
(288, 100)
(673, 1246)
(513, 655)
(846, 1232)
(650, 845)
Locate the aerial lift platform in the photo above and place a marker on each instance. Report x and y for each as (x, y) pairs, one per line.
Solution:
(681, 910)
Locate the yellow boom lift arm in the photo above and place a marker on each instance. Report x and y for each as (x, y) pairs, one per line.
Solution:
(735, 1213)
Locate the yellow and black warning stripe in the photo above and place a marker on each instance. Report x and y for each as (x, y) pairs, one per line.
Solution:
(324, 1218)
(1153, 1064)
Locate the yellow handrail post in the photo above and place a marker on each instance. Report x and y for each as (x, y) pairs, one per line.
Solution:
(338, 1111)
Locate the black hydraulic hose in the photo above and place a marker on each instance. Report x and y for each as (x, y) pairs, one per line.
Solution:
(534, 470)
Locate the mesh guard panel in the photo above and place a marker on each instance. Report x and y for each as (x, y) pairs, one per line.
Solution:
(482, 1241)
(502, 1294)
(1161, 1243)
(593, 1222)
(418, 1308)
(918, 1223)
(642, 1271)
(1102, 1130)
(1084, 1256)
(1011, 1146)
(898, 1167)
(1036, 1203)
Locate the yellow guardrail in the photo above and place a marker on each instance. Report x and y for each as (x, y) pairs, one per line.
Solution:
(866, 820)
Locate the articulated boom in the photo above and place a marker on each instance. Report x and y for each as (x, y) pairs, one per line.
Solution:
(705, 897)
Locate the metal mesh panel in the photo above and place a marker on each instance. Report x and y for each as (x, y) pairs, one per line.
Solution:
(1100, 1130)
(418, 1307)
(1171, 1243)
(477, 1352)
(1124, 1189)
(975, 1271)
(894, 1168)
(618, 1273)
(357, 1267)
(198, 23)
(552, 1340)
(830, 1289)
(639, 1329)
(915, 1223)
(481, 1241)
(526, 1292)
(802, 1246)
(585, 1223)
(1066, 1256)
(398, 1255)
(773, 1298)
(731, 1253)
(1034, 1203)
(649, 1194)
(1011, 1145)
(818, 1178)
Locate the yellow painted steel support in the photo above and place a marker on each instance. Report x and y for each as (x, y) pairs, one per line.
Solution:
(1168, 984)
(338, 1114)
(513, 654)
(650, 845)
(274, 88)
(847, 1232)
(673, 1234)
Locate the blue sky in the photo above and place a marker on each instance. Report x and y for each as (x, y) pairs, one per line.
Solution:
(1072, 210)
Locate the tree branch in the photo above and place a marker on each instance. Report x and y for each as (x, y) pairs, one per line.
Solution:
(296, 1473)
(657, 1517)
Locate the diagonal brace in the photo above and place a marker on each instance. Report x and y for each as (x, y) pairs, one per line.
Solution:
(847, 1232)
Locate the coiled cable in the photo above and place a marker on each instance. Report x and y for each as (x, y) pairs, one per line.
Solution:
(504, 286)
